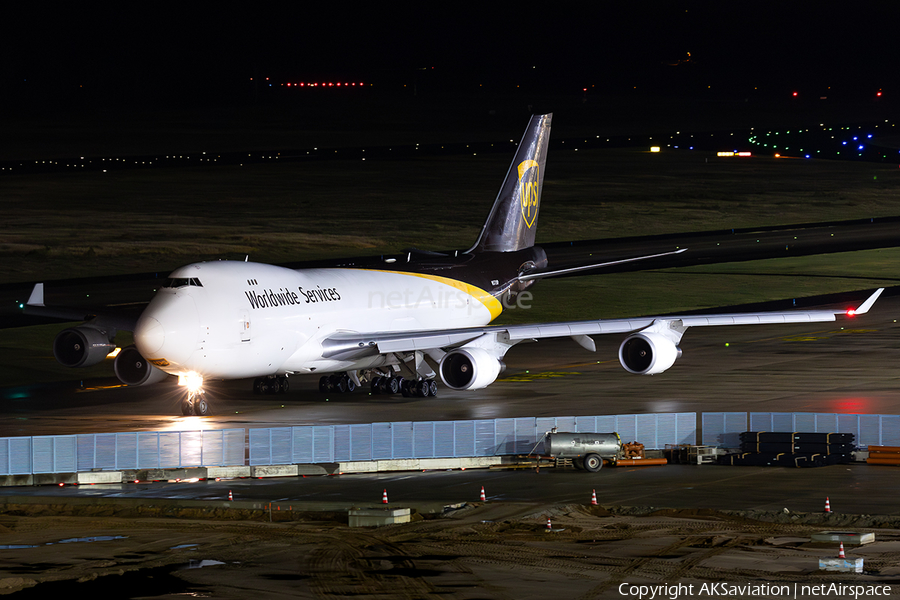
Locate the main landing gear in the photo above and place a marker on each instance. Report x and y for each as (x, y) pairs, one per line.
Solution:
(273, 384)
(195, 404)
(409, 388)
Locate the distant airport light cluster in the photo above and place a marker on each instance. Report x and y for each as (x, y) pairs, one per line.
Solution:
(315, 84)
(854, 142)
(850, 142)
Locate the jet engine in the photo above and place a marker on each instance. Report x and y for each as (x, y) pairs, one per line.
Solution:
(133, 369)
(83, 346)
(469, 368)
(648, 353)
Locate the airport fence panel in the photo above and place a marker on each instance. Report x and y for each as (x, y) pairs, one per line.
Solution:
(121, 451)
(870, 430)
(723, 429)
(454, 439)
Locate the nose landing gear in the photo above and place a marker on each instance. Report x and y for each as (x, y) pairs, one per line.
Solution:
(195, 404)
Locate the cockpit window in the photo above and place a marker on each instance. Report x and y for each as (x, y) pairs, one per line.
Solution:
(177, 282)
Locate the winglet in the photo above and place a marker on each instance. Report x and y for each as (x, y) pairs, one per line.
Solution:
(865, 306)
(37, 295)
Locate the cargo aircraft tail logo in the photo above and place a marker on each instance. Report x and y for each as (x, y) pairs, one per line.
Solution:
(529, 190)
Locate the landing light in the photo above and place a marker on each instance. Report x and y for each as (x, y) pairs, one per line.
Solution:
(192, 381)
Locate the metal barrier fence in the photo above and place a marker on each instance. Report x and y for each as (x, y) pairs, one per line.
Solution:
(405, 440)
(121, 451)
(453, 439)
(723, 429)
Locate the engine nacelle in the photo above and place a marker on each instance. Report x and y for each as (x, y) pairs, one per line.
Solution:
(133, 369)
(82, 346)
(648, 353)
(469, 368)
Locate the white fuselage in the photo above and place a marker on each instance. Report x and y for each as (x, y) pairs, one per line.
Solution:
(238, 319)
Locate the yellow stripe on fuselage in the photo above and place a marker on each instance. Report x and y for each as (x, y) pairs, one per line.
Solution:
(490, 302)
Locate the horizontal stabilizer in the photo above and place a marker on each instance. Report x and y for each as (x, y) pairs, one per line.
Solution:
(543, 274)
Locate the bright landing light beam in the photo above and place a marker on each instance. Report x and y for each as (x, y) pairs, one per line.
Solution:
(192, 381)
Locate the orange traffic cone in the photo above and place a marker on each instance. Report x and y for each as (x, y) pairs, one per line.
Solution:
(841, 553)
(593, 497)
(827, 505)
(384, 499)
(549, 527)
(230, 497)
(482, 493)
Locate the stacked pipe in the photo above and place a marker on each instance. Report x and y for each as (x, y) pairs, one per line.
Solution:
(793, 449)
(884, 455)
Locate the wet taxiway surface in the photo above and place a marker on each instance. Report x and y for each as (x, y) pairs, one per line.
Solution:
(855, 489)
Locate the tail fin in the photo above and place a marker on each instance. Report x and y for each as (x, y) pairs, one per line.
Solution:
(513, 220)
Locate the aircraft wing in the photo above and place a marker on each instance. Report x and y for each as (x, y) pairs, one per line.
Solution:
(348, 346)
(115, 317)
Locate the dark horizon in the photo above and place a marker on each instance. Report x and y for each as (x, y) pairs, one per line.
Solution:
(62, 58)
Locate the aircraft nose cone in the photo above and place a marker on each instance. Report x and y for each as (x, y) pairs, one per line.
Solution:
(152, 336)
(168, 329)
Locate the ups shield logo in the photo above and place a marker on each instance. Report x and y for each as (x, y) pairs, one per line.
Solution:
(529, 180)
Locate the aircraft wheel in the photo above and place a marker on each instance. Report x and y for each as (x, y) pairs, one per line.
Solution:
(285, 386)
(201, 407)
(593, 463)
(422, 389)
(376, 385)
(338, 384)
(432, 387)
(257, 385)
(187, 408)
(405, 388)
(324, 384)
(349, 384)
(391, 385)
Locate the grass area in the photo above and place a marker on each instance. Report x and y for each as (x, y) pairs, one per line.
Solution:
(669, 291)
(66, 225)
(71, 225)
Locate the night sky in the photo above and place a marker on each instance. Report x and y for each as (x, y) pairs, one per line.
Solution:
(203, 52)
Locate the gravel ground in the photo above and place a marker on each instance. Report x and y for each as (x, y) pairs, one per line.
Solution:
(493, 550)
